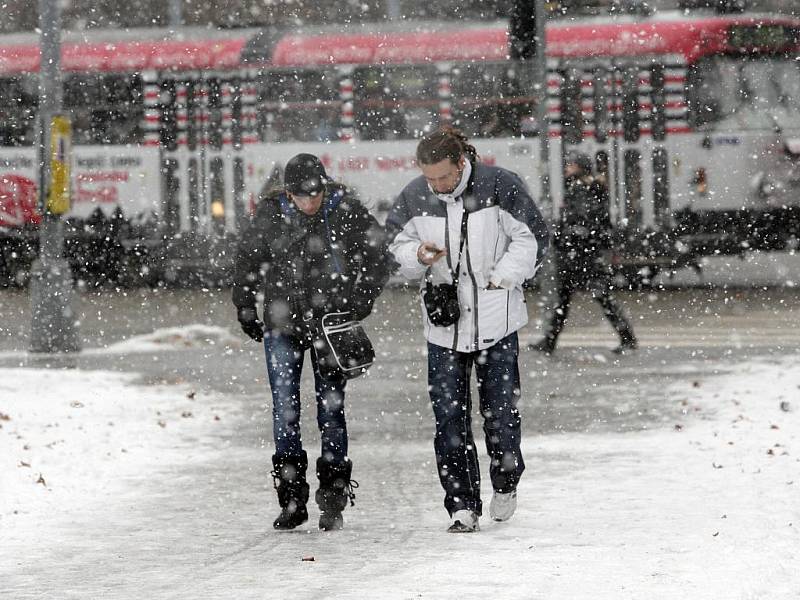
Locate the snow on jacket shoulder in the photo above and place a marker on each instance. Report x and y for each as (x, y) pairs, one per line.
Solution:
(354, 264)
(506, 242)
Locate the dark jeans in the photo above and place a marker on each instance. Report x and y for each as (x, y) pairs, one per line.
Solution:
(449, 375)
(284, 365)
(600, 289)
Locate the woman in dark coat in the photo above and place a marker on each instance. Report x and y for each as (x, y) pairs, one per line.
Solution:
(582, 236)
(311, 249)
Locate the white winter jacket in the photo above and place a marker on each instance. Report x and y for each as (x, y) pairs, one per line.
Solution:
(506, 241)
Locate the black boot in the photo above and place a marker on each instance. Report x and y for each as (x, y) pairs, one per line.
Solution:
(335, 489)
(614, 314)
(627, 342)
(545, 345)
(289, 476)
(558, 317)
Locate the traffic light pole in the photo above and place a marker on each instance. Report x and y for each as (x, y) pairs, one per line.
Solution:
(542, 117)
(175, 14)
(53, 326)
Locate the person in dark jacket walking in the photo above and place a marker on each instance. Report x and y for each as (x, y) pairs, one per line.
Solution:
(582, 236)
(311, 249)
(473, 227)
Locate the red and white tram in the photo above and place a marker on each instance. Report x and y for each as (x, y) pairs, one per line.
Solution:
(692, 118)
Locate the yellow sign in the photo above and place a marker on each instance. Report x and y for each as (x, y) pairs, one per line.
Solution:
(60, 150)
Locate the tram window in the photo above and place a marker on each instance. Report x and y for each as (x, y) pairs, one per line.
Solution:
(754, 88)
(658, 114)
(473, 86)
(217, 189)
(105, 109)
(375, 107)
(194, 194)
(298, 105)
(394, 103)
(191, 115)
(633, 187)
(702, 83)
(660, 185)
(631, 125)
(80, 90)
(487, 101)
(416, 91)
(215, 132)
(571, 109)
(600, 104)
(236, 113)
(18, 100)
(601, 165)
(171, 184)
(238, 194)
(168, 119)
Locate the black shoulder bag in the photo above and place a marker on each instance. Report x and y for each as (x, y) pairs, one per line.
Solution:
(342, 346)
(441, 301)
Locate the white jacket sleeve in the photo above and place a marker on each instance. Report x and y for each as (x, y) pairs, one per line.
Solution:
(404, 248)
(519, 262)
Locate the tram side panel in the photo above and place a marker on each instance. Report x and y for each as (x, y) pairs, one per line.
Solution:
(378, 170)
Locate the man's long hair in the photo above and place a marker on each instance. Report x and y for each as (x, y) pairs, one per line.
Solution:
(446, 143)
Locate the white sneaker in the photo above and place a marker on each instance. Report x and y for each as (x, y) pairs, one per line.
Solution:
(503, 506)
(464, 521)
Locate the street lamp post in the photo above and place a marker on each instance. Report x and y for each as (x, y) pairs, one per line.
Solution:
(53, 326)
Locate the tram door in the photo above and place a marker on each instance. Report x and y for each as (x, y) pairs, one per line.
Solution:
(209, 146)
(613, 110)
(203, 167)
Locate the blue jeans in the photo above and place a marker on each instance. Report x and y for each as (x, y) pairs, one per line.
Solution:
(497, 372)
(284, 355)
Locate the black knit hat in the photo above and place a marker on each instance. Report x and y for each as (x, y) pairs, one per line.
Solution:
(304, 175)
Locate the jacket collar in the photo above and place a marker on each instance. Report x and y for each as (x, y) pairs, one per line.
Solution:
(333, 198)
(480, 190)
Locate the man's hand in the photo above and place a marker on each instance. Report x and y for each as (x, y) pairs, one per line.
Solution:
(428, 253)
(248, 319)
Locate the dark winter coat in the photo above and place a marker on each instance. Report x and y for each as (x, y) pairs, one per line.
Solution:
(583, 233)
(334, 260)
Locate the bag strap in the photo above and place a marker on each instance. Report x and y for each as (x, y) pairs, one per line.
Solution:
(454, 272)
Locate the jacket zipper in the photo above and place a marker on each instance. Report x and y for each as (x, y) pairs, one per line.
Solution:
(474, 288)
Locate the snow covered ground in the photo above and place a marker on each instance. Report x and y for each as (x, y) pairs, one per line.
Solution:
(756, 268)
(113, 489)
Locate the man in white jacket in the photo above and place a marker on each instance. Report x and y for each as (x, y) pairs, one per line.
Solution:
(474, 229)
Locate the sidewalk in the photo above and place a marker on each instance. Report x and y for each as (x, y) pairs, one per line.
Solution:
(116, 490)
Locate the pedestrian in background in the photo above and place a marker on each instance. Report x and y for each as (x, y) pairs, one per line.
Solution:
(582, 238)
(311, 249)
(471, 234)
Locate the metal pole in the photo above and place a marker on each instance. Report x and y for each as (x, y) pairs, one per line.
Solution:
(549, 277)
(175, 14)
(52, 320)
(542, 117)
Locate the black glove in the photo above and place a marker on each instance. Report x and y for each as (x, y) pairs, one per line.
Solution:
(248, 319)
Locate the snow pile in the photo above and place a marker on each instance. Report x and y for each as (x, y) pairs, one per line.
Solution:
(171, 338)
